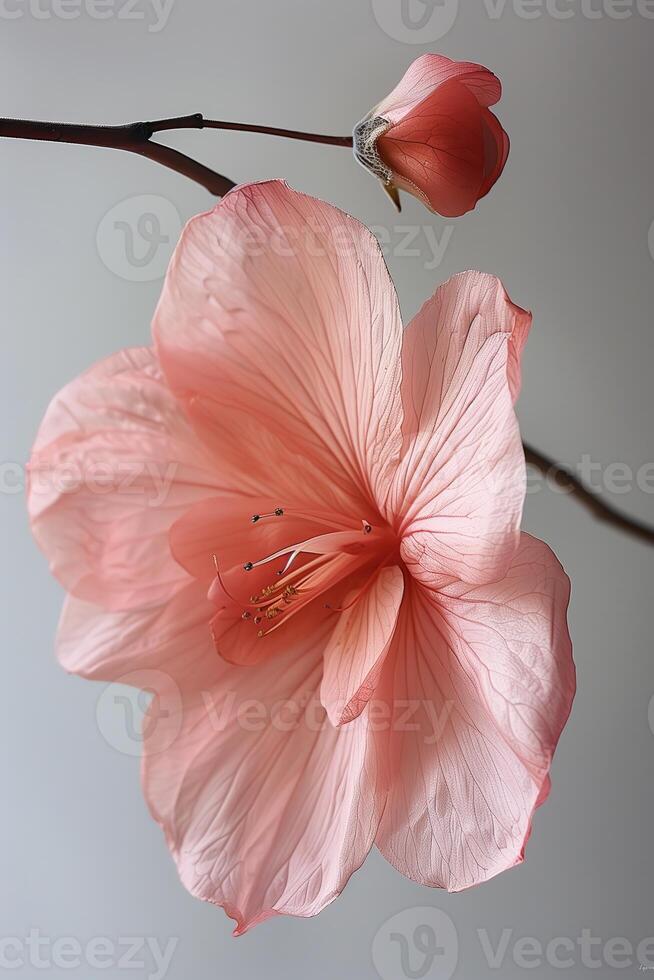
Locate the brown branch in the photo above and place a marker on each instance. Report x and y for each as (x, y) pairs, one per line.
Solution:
(567, 480)
(291, 134)
(137, 138)
(133, 137)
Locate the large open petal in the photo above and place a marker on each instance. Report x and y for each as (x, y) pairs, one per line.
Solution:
(114, 464)
(172, 638)
(267, 808)
(356, 650)
(459, 490)
(527, 681)
(278, 310)
(482, 683)
(428, 72)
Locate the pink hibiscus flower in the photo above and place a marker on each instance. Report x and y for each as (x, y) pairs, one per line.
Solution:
(435, 137)
(306, 522)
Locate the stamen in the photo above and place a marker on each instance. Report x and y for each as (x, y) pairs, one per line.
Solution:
(326, 559)
(309, 580)
(264, 595)
(277, 512)
(299, 573)
(222, 582)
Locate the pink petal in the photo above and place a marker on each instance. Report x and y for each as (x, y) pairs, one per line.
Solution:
(489, 675)
(114, 464)
(356, 650)
(497, 145)
(111, 646)
(278, 310)
(527, 682)
(460, 486)
(438, 150)
(267, 808)
(428, 72)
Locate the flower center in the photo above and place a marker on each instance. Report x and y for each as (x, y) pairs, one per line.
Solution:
(309, 569)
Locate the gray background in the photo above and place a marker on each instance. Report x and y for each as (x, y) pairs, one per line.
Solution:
(566, 228)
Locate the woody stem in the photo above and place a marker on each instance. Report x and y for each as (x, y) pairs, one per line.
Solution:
(137, 138)
(567, 480)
